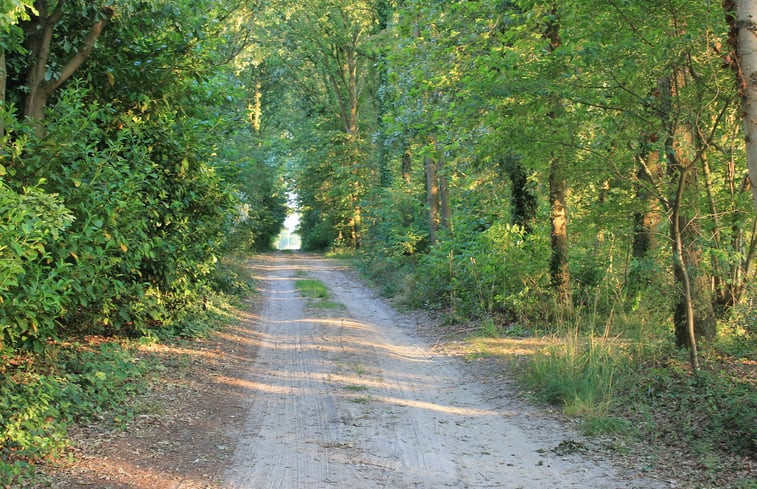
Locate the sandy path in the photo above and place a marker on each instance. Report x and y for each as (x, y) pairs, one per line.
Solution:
(352, 398)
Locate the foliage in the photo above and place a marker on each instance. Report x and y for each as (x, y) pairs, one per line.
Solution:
(118, 205)
(137, 169)
(34, 282)
(40, 398)
(88, 380)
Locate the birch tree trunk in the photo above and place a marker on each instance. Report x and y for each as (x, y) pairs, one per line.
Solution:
(742, 18)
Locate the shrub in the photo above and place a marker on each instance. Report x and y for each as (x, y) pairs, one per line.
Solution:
(479, 273)
(39, 401)
(34, 280)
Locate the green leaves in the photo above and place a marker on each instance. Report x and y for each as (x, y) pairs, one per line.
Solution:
(79, 382)
(33, 283)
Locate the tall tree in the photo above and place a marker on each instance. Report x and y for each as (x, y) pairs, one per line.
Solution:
(741, 16)
(558, 189)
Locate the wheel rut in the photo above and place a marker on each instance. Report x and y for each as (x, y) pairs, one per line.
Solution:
(353, 397)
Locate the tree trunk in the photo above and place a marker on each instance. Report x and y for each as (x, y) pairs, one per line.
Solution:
(693, 309)
(685, 315)
(256, 109)
(742, 19)
(406, 166)
(558, 266)
(646, 220)
(445, 209)
(432, 197)
(39, 87)
(352, 88)
(694, 295)
(383, 13)
(522, 199)
(558, 189)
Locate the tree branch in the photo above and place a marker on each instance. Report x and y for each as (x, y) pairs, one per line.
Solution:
(76, 61)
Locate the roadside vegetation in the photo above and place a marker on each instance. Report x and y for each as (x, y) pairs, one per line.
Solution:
(570, 170)
(130, 165)
(572, 174)
(91, 379)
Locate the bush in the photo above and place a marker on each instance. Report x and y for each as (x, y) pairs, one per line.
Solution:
(144, 220)
(480, 273)
(39, 402)
(35, 281)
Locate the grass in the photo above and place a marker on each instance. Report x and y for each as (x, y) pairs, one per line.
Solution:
(578, 373)
(362, 400)
(316, 291)
(637, 387)
(312, 289)
(359, 369)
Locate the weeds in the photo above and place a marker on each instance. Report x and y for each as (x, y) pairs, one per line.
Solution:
(316, 290)
(40, 398)
(312, 289)
(578, 373)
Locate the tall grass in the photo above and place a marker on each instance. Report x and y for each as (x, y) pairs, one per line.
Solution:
(578, 373)
(593, 363)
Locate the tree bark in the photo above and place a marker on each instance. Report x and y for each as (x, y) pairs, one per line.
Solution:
(646, 220)
(742, 19)
(685, 326)
(383, 13)
(558, 267)
(39, 87)
(522, 200)
(694, 302)
(445, 208)
(558, 189)
(432, 197)
(406, 166)
(256, 109)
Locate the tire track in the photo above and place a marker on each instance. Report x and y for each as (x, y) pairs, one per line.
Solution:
(353, 398)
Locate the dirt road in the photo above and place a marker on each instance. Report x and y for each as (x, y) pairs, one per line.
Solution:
(352, 397)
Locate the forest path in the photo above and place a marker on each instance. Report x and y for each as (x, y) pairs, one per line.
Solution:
(352, 396)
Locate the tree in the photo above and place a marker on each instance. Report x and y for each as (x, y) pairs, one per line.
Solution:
(741, 16)
(45, 74)
(11, 39)
(328, 64)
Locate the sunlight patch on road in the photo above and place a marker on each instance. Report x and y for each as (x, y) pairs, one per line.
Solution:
(255, 386)
(347, 342)
(461, 411)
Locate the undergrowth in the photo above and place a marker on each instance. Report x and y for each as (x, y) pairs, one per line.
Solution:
(91, 379)
(41, 396)
(642, 390)
(608, 360)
